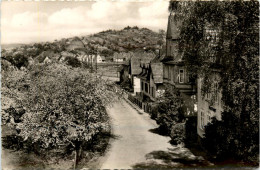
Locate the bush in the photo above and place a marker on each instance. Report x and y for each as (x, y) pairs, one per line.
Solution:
(126, 84)
(178, 134)
(169, 109)
(232, 139)
(191, 135)
(73, 61)
(154, 111)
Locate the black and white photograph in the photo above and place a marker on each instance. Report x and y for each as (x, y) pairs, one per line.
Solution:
(129, 84)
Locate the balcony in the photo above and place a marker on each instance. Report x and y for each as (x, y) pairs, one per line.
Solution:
(183, 87)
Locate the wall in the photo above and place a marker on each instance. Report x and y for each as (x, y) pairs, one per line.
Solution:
(136, 84)
(204, 107)
(171, 48)
(171, 74)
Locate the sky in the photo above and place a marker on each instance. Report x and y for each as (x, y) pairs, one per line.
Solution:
(32, 21)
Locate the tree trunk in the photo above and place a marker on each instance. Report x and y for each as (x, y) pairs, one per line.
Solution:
(75, 159)
(78, 151)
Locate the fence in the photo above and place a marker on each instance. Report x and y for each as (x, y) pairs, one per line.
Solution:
(145, 106)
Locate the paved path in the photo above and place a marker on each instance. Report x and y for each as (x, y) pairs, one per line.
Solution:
(133, 138)
(135, 146)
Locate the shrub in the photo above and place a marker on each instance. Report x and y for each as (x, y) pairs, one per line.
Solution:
(191, 135)
(178, 133)
(169, 109)
(126, 84)
(232, 138)
(73, 61)
(154, 111)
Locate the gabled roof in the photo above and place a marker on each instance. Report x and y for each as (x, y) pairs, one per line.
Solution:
(66, 53)
(177, 60)
(137, 59)
(157, 72)
(172, 29)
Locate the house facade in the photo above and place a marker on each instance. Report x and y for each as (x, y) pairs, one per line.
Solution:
(175, 72)
(209, 102)
(209, 98)
(92, 60)
(151, 85)
(151, 80)
(121, 57)
(135, 69)
(100, 59)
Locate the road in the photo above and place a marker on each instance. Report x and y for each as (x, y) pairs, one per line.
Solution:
(133, 139)
(135, 145)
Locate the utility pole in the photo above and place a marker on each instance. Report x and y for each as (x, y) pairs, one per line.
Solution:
(117, 64)
(96, 60)
(91, 62)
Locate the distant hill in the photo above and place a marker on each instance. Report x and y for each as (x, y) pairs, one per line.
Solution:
(129, 39)
(9, 46)
(105, 43)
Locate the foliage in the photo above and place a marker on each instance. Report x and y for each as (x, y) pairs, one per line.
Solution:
(225, 140)
(126, 84)
(63, 106)
(178, 134)
(73, 61)
(169, 109)
(106, 52)
(234, 53)
(18, 59)
(191, 136)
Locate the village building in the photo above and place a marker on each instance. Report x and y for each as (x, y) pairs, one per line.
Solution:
(175, 73)
(209, 100)
(130, 70)
(151, 84)
(47, 57)
(121, 57)
(81, 56)
(135, 69)
(100, 59)
(95, 59)
(47, 60)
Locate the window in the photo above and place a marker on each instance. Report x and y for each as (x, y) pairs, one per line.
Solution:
(146, 87)
(212, 35)
(165, 73)
(181, 76)
(208, 117)
(142, 86)
(169, 71)
(202, 120)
